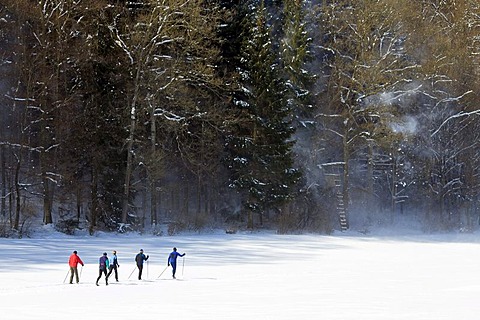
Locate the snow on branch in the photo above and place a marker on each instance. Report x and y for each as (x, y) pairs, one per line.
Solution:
(51, 147)
(121, 43)
(18, 99)
(328, 115)
(337, 163)
(168, 115)
(21, 146)
(458, 115)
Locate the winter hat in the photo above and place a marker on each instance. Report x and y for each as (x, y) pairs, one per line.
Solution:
(174, 249)
(75, 251)
(141, 250)
(104, 253)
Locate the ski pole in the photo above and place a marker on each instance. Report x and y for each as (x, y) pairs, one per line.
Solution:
(147, 269)
(183, 265)
(81, 270)
(66, 276)
(132, 272)
(162, 272)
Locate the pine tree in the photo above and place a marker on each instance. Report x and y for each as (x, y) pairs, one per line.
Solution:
(261, 156)
(295, 54)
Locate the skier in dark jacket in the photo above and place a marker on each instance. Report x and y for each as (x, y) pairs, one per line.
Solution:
(172, 260)
(113, 265)
(139, 259)
(103, 266)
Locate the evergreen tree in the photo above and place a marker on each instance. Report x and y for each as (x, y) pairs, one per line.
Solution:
(261, 156)
(299, 71)
(295, 54)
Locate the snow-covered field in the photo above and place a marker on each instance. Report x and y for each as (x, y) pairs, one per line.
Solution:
(247, 276)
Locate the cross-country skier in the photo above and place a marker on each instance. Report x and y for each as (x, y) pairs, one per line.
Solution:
(139, 259)
(172, 260)
(103, 266)
(73, 262)
(113, 265)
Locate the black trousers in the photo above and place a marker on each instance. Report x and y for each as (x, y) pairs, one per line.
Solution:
(140, 269)
(110, 272)
(104, 271)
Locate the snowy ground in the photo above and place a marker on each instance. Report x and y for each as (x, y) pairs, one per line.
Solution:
(247, 276)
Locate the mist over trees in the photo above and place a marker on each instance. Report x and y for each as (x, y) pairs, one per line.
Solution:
(294, 115)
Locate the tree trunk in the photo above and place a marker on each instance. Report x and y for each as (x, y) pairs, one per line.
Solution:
(394, 188)
(10, 203)
(94, 208)
(371, 191)
(130, 143)
(145, 190)
(186, 198)
(128, 170)
(47, 200)
(250, 214)
(79, 200)
(16, 222)
(346, 174)
(199, 196)
(249, 219)
(151, 176)
(153, 204)
(4, 182)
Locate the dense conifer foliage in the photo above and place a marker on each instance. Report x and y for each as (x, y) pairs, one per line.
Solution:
(313, 115)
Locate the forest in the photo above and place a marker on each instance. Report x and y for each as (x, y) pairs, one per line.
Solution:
(285, 114)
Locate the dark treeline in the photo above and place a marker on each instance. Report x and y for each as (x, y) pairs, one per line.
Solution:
(296, 115)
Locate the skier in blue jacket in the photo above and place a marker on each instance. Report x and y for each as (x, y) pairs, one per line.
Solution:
(103, 266)
(114, 265)
(139, 259)
(172, 260)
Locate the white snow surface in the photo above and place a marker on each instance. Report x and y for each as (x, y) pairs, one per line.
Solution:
(258, 275)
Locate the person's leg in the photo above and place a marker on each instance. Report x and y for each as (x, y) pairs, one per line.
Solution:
(106, 278)
(75, 270)
(116, 273)
(99, 276)
(140, 268)
(174, 269)
(72, 271)
(110, 271)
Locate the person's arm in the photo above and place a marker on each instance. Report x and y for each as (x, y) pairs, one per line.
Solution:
(182, 255)
(80, 261)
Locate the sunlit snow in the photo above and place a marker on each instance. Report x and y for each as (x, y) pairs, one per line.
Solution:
(258, 275)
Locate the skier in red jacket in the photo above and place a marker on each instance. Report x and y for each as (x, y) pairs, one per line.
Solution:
(73, 261)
